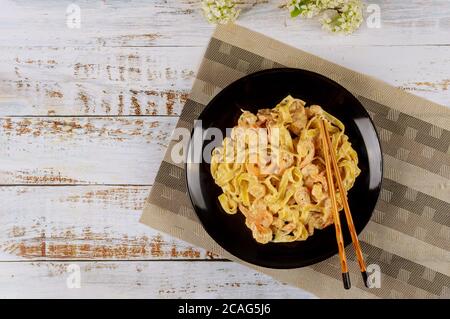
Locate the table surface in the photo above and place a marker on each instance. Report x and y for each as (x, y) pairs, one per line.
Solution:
(86, 115)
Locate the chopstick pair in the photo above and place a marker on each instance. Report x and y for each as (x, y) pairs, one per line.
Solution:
(332, 163)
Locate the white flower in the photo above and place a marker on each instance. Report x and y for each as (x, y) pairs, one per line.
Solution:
(220, 11)
(342, 16)
(345, 19)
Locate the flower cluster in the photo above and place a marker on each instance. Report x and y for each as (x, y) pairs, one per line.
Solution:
(342, 16)
(220, 11)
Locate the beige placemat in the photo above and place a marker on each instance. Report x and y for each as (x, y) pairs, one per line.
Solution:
(408, 237)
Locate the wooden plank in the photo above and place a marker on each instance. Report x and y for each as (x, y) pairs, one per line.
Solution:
(175, 22)
(162, 279)
(74, 150)
(96, 81)
(156, 81)
(83, 222)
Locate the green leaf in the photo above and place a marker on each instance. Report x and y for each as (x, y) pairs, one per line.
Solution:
(295, 12)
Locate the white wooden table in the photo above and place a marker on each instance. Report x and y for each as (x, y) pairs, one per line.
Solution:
(86, 115)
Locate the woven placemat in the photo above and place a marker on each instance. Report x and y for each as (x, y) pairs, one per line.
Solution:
(408, 237)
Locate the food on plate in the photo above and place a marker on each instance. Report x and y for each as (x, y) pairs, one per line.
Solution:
(272, 169)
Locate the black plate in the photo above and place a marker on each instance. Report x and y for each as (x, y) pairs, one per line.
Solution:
(264, 90)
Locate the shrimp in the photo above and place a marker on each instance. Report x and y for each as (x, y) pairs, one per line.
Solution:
(286, 161)
(277, 221)
(301, 196)
(318, 220)
(299, 123)
(259, 214)
(314, 110)
(299, 117)
(259, 222)
(309, 170)
(270, 168)
(262, 235)
(317, 193)
(297, 106)
(316, 178)
(247, 119)
(276, 165)
(264, 115)
(264, 219)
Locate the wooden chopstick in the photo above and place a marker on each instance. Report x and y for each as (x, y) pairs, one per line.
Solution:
(337, 221)
(348, 215)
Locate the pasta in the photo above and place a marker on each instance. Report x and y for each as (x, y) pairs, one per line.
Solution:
(271, 168)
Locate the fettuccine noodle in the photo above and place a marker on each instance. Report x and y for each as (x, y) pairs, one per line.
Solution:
(280, 186)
